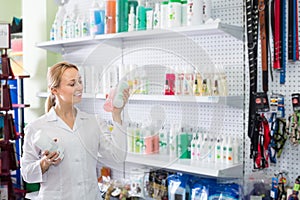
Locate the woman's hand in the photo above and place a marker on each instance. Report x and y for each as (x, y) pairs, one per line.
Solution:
(48, 160)
(116, 113)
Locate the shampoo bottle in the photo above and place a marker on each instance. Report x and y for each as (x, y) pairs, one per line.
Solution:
(110, 12)
(218, 150)
(131, 19)
(194, 147)
(122, 15)
(156, 16)
(236, 151)
(229, 152)
(118, 101)
(141, 18)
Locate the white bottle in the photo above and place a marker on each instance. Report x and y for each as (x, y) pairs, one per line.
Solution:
(199, 146)
(130, 138)
(163, 141)
(183, 13)
(218, 150)
(236, 150)
(93, 26)
(78, 25)
(204, 148)
(229, 152)
(156, 16)
(149, 17)
(118, 100)
(207, 6)
(131, 20)
(194, 12)
(224, 150)
(53, 31)
(211, 151)
(164, 15)
(85, 30)
(58, 23)
(174, 13)
(173, 140)
(194, 147)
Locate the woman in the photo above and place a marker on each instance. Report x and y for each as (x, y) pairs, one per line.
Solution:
(82, 137)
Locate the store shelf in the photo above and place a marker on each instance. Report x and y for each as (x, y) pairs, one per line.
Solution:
(234, 101)
(187, 165)
(114, 39)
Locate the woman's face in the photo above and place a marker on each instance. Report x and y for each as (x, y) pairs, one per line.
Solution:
(70, 88)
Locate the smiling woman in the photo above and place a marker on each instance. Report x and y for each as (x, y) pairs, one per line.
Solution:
(67, 126)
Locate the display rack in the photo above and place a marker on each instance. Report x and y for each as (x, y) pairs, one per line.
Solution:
(124, 40)
(12, 124)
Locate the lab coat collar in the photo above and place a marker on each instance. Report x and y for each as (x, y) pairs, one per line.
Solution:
(80, 117)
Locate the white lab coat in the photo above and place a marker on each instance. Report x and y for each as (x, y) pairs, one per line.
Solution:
(75, 177)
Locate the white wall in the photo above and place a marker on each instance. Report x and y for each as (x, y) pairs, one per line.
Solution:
(37, 16)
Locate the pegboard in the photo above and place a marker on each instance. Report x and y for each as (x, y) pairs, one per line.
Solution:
(290, 157)
(207, 54)
(213, 53)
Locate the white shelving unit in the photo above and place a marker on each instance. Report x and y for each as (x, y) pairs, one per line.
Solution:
(187, 165)
(234, 101)
(116, 38)
(119, 40)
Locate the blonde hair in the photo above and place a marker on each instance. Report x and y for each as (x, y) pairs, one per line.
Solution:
(54, 78)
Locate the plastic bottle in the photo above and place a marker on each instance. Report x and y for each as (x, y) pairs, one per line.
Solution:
(156, 16)
(56, 32)
(118, 101)
(68, 26)
(164, 14)
(199, 143)
(218, 150)
(183, 12)
(149, 147)
(53, 31)
(149, 17)
(224, 150)
(173, 140)
(207, 6)
(130, 137)
(94, 17)
(236, 150)
(163, 141)
(174, 13)
(137, 139)
(179, 78)
(122, 15)
(110, 12)
(141, 16)
(211, 151)
(229, 152)
(131, 19)
(204, 148)
(194, 147)
(194, 12)
(85, 27)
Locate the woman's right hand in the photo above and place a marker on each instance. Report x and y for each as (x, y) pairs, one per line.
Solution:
(49, 159)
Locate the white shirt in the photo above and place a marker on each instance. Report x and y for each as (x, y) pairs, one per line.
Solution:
(75, 177)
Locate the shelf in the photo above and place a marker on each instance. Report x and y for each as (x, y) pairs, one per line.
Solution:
(187, 165)
(234, 101)
(114, 39)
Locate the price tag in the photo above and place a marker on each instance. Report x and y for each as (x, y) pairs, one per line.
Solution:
(4, 36)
